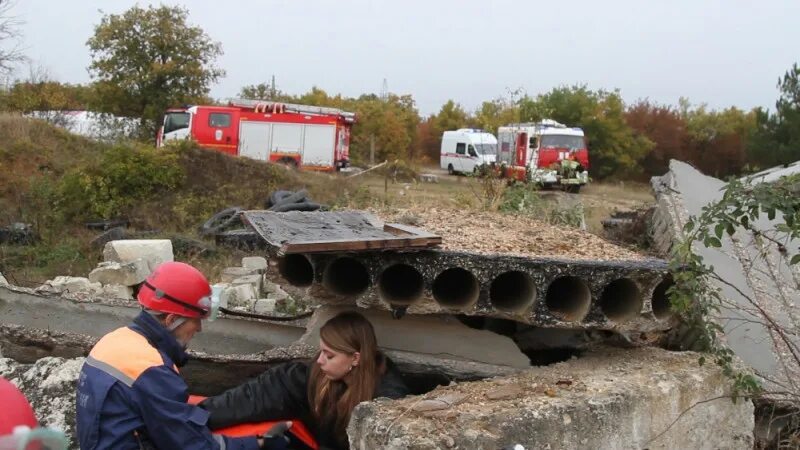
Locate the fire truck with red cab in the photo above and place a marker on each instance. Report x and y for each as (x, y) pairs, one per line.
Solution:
(545, 152)
(309, 137)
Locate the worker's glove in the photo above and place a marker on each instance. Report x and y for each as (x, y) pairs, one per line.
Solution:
(275, 438)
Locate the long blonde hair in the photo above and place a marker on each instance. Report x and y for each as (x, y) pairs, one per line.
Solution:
(332, 401)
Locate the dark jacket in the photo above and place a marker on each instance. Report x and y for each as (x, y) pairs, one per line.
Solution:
(282, 393)
(130, 395)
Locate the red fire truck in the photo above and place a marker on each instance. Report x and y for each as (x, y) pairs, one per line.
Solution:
(311, 137)
(546, 152)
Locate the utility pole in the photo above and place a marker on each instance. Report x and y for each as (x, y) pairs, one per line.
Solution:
(385, 90)
(371, 150)
(272, 89)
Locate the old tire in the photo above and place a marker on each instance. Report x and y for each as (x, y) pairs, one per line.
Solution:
(221, 220)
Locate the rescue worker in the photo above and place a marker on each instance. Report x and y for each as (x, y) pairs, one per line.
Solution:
(348, 370)
(18, 426)
(130, 393)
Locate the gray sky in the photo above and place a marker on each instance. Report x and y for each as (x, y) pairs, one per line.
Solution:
(724, 53)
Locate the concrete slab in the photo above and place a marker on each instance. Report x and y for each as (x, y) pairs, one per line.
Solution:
(154, 251)
(258, 263)
(431, 335)
(24, 307)
(231, 273)
(125, 274)
(752, 268)
(608, 399)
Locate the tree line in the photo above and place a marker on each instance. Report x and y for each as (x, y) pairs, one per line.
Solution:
(146, 60)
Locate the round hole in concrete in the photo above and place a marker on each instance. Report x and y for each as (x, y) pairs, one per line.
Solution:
(620, 300)
(512, 291)
(297, 270)
(456, 288)
(568, 298)
(660, 300)
(400, 284)
(346, 276)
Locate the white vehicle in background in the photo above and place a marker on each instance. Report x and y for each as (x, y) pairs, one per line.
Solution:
(466, 149)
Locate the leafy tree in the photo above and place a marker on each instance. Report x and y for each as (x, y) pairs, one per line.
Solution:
(717, 138)
(614, 148)
(10, 51)
(776, 139)
(146, 60)
(664, 126)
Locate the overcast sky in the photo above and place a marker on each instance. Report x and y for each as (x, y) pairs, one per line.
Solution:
(724, 53)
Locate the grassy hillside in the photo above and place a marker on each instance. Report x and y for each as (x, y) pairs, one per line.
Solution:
(58, 182)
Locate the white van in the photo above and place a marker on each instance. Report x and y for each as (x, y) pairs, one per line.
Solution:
(465, 149)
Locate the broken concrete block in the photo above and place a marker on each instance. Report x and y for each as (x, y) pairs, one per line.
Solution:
(264, 306)
(153, 251)
(254, 280)
(72, 285)
(279, 294)
(216, 290)
(608, 398)
(3, 281)
(269, 287)
(49, 385)
(231, 273)
(238, 296)
(258, 263)
(118, 291)
(125, 274)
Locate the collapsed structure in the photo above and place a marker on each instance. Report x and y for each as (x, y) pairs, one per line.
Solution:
(446, 316)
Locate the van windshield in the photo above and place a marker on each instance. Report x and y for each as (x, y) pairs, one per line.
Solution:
(562, 141)
(486, 149)
(176, 121)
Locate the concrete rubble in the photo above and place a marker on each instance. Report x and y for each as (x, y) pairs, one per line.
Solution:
(49, 384)
(611, 399)
(152, 251)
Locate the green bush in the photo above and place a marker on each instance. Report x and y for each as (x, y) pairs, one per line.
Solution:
(525, 199)
(124, 176)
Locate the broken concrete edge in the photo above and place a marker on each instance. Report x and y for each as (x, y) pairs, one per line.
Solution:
(753, 269)
(641, 398)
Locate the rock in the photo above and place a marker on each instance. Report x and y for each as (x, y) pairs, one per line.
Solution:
(430, 405)
(125, 274)
(152, 251)
(269, 287)
(278, 295)
(49, 384)
(504, 392)
(264, 306)
(238, 296)
(258, 263)
(254, 280)
(3, 281)
(65, 284)
(231, 273)
(118, 291)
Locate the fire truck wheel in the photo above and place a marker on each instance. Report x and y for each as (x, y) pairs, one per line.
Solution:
(221, 220)
(450, 169)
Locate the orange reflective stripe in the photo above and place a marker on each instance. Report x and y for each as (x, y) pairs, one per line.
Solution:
(124, 354)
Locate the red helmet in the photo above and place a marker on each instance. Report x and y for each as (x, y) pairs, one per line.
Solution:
(177, 288)
(16, 410)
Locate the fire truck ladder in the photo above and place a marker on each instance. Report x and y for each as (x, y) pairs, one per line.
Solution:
(269, 106)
